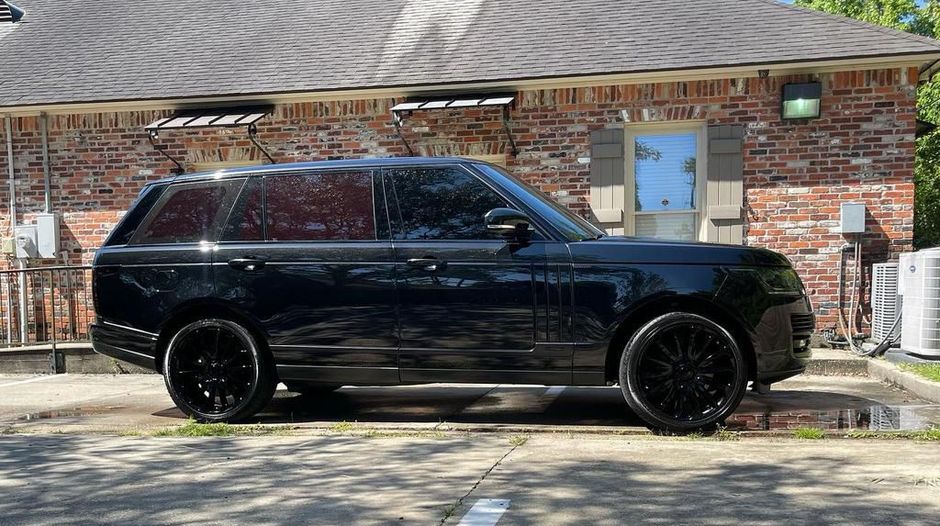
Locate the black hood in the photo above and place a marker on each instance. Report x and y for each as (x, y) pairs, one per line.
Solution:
(617, 249)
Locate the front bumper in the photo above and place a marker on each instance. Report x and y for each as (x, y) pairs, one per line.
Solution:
(782, 341)
(125, 344)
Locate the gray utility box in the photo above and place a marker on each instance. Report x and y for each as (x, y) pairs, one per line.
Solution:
(853, 218)
(39, 241)
(27, 241)
(47, 226)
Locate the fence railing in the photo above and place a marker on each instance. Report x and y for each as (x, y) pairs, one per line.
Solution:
(45, 306)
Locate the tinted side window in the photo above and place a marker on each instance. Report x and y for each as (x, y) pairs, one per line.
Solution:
(442, 203)
(245, 221)
(325, 206)
(138, 211)
(189, 213)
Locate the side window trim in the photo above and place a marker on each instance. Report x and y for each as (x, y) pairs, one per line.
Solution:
(250, 181)
(388, 175)
(167, 193)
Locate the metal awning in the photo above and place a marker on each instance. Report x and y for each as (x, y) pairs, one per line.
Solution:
(210, 118)
(463, 102)
(469, 101)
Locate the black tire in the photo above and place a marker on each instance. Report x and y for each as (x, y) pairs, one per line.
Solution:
(681, 372)
(216, 371)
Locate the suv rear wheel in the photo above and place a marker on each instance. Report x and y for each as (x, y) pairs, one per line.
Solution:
(682, 372)
(215, 371)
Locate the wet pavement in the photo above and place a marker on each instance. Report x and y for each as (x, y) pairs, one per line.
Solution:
(138, 402)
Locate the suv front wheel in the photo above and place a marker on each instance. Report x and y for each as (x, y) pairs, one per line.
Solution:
(682, 372)
(215, 371)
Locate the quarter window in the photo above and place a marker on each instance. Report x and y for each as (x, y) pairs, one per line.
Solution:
(442, 203)
(326, 206)
(189, 213)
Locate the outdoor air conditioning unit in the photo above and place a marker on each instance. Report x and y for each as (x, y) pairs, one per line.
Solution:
(919, 274)
(885, 302)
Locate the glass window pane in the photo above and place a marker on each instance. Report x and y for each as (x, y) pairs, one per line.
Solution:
(327, 206)
(245, 221)
(189, 213)
(443, 203)
(667, 226)
(665, 172)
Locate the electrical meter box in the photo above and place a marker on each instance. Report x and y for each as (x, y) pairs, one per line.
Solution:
(27, 242)
(853, 218)
(47, 226)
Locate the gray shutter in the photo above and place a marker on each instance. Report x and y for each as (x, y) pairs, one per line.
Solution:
(608, 173)
(724, 207)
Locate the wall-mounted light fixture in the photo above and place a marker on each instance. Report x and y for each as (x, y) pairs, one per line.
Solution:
(801, 101)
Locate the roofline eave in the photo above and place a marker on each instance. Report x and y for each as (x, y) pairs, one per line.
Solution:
(927, 64)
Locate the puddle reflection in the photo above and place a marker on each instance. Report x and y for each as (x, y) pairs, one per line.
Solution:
(874, 418)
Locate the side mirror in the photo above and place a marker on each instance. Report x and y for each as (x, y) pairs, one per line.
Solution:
(508, 223)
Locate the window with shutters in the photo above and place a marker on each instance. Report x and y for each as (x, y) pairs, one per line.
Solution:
(665, 181)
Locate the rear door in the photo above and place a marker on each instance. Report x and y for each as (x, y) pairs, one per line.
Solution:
(307, 255)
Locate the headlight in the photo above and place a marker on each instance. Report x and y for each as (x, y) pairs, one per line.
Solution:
(777, 280)
(784, 280)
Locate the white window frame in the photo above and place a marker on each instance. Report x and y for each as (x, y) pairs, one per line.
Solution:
(634, 130)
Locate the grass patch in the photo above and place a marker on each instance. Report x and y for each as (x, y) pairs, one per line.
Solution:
(342, 427)
(724, 435)
(926, 435)
(809, 433)
(929, 371)
(195, 429)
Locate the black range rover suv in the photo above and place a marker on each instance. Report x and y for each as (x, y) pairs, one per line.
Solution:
(408, 271)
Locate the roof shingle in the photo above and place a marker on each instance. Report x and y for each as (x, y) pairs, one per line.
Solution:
(65, 51)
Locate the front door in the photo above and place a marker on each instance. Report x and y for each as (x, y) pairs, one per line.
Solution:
(473, 306)
(308, 256)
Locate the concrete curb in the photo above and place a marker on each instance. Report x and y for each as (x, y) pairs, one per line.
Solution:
(830, 362)
(73, 358)
(890, 373)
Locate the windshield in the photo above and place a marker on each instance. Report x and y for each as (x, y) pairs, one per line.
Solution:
(570, 225)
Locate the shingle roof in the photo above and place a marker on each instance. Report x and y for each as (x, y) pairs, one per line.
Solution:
(67, 51)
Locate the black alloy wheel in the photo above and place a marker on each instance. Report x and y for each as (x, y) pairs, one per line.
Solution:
(682, 372)
(215, 371)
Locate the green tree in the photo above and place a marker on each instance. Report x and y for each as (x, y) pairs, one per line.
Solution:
(922, 18)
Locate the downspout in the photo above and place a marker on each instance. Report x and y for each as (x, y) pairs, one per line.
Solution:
(9, 133)
(20, 264)
(47, 176)
(8, 121)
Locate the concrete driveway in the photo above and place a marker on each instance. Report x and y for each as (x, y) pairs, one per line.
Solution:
(551, 479)
(458, 455)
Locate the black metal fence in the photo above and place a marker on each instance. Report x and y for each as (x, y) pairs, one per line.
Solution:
(45, 306)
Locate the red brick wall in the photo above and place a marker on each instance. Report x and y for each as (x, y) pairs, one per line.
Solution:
(862, 149)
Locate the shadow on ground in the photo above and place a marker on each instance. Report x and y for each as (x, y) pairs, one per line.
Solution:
(572, 406)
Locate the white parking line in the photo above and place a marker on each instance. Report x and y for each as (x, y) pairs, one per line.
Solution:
(554, 391)
(31, 380)
(485, 512)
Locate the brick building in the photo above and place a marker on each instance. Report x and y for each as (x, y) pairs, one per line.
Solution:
(652, 118)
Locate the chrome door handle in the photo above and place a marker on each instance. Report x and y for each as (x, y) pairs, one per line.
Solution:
(427, 264)
(248, 264)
